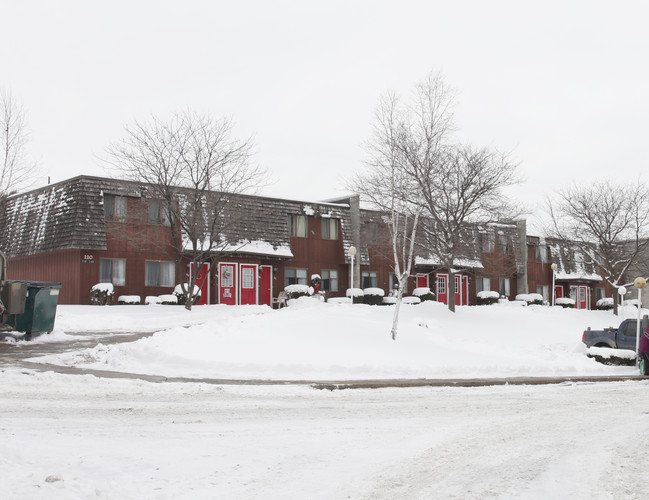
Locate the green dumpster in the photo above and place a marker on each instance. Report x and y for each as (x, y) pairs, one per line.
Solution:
(40, 308)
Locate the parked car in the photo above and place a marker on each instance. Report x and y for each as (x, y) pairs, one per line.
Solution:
(622, 337)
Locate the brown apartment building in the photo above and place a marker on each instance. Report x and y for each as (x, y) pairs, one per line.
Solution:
(88, 230)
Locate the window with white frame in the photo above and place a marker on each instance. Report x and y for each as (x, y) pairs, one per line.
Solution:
(157, 273)
(114, 207)
(157, 214)
(504, 287)
(394, 283)
(543, 290)
(542, 254)
(295, 276)
(298, 225)
(369, 279)
(329, 229)
(329, 280)
(247, 278)
(482, 284)
(112, 271)
(600, 293)
(488, 242)
(503, 244)
(441, 285)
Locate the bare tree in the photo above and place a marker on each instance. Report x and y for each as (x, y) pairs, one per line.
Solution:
(461, 189)
(194, 167)
(460, 186)
(16, 170)
(607, 221)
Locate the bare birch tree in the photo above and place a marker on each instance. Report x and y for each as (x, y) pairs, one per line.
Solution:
(16, 170)
(194, 167)
(461, 188)
(608, 221)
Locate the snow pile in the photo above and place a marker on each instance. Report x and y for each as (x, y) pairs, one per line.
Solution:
(423, 290)
(324, 341)
(488, 294)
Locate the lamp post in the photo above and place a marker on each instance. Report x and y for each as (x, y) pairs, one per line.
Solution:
(554, 268)
(639, 283)
(352, 253)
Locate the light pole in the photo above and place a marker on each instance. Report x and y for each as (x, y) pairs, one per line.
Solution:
(554, 268)
(639, 283)
(352, 253)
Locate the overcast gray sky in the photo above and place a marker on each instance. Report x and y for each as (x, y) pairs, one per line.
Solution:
(564, 85)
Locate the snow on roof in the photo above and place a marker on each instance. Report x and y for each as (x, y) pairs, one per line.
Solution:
(459, 263)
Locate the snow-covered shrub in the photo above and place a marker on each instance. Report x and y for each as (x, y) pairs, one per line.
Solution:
(605, 304)
(182, 298)
(531, 298)
(565, 302)
(356, 293)
(297, 291)
(373, 296)
(102, 294)
(389, 301)
(168, 299)
(128, 299)
(411, 300)
(423, 293)
(486, 298)
(152, 299)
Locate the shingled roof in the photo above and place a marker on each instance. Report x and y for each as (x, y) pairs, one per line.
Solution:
(70, 214)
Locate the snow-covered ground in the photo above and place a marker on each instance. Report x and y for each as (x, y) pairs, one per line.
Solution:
(80, 436)
(312, 340)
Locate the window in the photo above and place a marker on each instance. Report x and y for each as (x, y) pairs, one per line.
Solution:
(160, 274)
(329, 229)
(114, 207)
(297, 225)
(369, 279)
(329, 280)
(542, 253)
(157, 213)
(482, 284)
(112, 271)
(503, 244)
(504, 287)
(394, 283)
(600, 293)
(441, 285)
(294, 277)
(488, 242)
(247, 278)
(544, 290)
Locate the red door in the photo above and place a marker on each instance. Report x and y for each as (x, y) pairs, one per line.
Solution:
(558, 292)
(227, 283)
(266, 285)
(202, 282)
(442, 292)
(580, 296)
(422, 281)
(248, 282)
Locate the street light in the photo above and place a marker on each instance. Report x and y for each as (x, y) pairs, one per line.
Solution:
(554, 268)
(352, 253)
(639, 283)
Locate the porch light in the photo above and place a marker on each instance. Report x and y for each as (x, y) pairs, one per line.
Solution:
(639, 283)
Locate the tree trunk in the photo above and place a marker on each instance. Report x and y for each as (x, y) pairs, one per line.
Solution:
(395, 317)
(451, 291)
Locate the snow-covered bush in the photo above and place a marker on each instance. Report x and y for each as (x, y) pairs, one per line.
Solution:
(389, 301)
(102, 294)
(486, 298)
(411, 300)
(373, 296)
(605, 304)
(565, 302)
(423, 293)
(356, 293)
(168, 299)
(297, 291)
(128, 299)
(531, 298)
(152, 299)
(181, 298)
